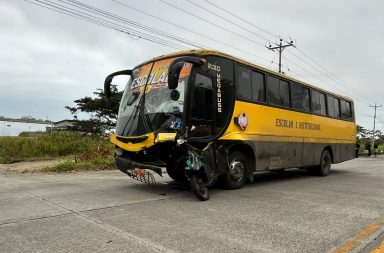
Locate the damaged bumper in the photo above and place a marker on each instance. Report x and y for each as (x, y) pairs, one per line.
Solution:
(127, 166)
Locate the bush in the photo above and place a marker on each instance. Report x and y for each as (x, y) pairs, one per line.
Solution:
(92, 160)
(49, 145)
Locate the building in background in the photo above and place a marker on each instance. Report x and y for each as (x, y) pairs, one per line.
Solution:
(61, 125)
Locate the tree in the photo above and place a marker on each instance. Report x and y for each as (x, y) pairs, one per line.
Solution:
(102, 116)
(362, 133)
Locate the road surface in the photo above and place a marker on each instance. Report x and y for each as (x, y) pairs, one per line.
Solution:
(110, 212)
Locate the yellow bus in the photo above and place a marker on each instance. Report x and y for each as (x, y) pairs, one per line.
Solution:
(210, 117)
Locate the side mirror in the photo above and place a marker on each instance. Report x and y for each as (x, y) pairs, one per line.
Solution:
(176, 66)
(108, 81)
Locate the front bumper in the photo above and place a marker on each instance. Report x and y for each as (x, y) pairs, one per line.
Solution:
(125, 164)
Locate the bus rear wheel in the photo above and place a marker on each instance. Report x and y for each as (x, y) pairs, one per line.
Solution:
(324, 167)
(236, 174)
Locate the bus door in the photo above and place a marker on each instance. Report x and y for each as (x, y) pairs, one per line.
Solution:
(210, 107)
(201, 119)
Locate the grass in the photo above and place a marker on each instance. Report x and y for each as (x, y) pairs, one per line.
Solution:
(93, 159)
(107, 163)
(49, 146)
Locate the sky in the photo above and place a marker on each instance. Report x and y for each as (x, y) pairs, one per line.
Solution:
(48, 59)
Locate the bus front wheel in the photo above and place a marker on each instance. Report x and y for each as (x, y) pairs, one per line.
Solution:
(324, 167)
(235, 177)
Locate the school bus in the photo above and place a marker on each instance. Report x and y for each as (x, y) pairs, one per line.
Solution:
(210, 117)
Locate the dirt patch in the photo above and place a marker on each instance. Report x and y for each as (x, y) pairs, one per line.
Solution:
(23, 167)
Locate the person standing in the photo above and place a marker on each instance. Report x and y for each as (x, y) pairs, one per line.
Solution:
(376, 148)
(368, 148)
(357, 150)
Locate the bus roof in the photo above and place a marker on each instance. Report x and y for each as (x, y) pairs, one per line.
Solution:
(239, 60)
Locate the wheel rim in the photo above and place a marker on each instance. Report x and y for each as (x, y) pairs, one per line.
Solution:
(236, 171)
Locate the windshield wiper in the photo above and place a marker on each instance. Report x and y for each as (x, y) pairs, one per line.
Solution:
(140, 108)
(131, 117)
(146, 119)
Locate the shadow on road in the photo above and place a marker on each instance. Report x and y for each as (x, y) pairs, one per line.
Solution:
(170, 187)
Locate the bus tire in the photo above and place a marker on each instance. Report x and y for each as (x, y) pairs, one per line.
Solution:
(198, 187)
(324, 167)
(235, 177)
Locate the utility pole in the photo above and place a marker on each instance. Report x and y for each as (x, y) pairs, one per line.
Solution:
(374, 122)
(280, 48)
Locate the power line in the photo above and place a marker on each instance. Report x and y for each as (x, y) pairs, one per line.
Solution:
(329, 75)
(107, 23)
(306, 71)
(212, 23)
(102, 22)
(129, 31)
(318, 78)
(191, 31)
(274, 57)
(129, 22)
(229, 21)
(318, 64)
(249, 23)
(280, 48)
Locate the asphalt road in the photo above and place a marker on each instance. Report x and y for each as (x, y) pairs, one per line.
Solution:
(110, 212)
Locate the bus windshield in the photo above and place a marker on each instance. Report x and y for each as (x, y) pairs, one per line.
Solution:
(157, 103)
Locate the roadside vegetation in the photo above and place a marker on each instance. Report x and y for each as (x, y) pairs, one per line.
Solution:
(86, 151)
(364, 136)
(101, 159)
(78, 152)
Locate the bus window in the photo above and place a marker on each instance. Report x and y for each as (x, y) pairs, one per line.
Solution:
(258, 89)
(244, 88)
(318, 103)
(337, 107)
(300, 97)
(284, 93)
(333, 107)
(277, 91)
(202, 98)
(273, 90)
(346, 112)
(201, 107)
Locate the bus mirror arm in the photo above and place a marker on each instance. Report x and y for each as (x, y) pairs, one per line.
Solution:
(108, 81)
(176, 66)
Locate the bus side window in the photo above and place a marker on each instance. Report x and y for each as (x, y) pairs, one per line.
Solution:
(333, 107)
(346, 112)
(244, 88)
(337, 107)
(318, 103)
(273, 90)
(278, 91)
(284, 93)
(300, 97)
(258, 89)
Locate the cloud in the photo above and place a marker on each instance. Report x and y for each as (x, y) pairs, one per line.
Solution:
(49, 59)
